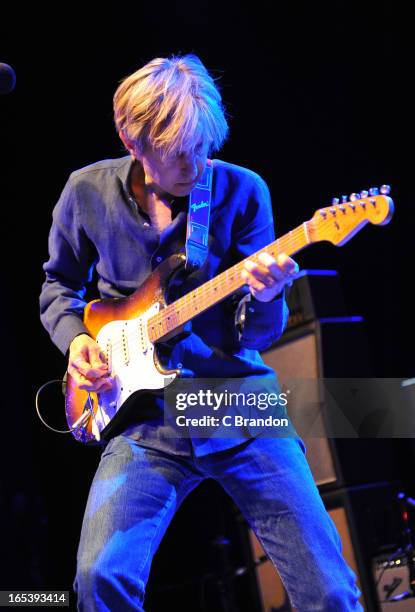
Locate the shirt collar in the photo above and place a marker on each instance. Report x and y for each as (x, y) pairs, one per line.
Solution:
(124, 171)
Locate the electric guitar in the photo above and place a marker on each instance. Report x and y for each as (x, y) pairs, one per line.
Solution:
(128, 329)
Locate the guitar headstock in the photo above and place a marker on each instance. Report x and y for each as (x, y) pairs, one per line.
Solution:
(342, 220)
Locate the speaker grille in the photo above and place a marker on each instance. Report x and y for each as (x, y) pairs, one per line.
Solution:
(299, 359)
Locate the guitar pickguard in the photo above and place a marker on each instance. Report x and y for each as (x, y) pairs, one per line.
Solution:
(130, 354)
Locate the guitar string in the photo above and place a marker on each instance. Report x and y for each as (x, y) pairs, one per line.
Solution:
(280, 245)
(219, 282)
(186, 302)
(209, 289)
(288, 240)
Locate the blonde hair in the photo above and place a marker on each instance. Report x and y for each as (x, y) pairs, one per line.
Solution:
(170, 104)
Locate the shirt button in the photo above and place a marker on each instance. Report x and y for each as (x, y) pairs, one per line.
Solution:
(158, 259)
(146, 224)
(250, 309)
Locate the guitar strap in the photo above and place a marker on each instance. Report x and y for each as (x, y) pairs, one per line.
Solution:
(197, 231)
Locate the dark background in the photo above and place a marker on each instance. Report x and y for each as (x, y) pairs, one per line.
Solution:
(320, 103)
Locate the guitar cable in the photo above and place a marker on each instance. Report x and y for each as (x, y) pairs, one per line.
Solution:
(79, 423)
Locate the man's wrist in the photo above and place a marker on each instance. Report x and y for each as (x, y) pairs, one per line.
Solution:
(276, 297)
(84, 333)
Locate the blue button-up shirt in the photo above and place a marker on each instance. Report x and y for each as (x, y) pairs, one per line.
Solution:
(100, 234)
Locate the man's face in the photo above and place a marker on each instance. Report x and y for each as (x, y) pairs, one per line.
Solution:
(176, 175)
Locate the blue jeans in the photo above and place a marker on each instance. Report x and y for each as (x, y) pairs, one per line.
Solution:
(137, 490)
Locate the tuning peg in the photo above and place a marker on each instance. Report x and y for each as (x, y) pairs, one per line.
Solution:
(364, 194)
(354, 196)
(373, 191)
(335, 200)
(344, 199)
(385, 189)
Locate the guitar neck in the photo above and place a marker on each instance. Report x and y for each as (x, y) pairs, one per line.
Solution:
(213, 291)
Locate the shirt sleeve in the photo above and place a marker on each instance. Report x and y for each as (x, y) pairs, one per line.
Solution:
(259, 324)
(68, 270)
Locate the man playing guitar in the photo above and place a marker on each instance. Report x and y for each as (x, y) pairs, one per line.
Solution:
(122, 217)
